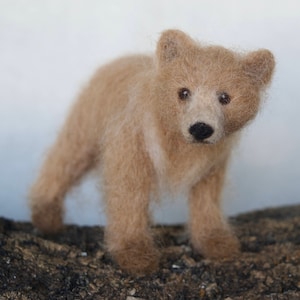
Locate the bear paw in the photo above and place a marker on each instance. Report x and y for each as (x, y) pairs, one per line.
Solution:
(47, 217)
(219, 244)
(137, 257)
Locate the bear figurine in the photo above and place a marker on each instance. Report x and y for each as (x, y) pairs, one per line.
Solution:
(166, 122)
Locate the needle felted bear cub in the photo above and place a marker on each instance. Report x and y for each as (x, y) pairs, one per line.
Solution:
(167, 121)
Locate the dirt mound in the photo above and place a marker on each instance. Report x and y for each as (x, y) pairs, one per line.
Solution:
(74, 264)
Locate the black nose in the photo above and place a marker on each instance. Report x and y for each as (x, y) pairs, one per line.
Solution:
(201, 131)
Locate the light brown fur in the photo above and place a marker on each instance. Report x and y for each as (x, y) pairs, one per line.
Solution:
(130, 121)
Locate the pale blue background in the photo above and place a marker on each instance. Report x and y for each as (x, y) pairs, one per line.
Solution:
(48, 50)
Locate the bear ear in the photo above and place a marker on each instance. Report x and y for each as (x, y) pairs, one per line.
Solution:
(172, 44)
(259, 66)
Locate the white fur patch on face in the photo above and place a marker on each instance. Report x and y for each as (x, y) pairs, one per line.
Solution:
(204, 108)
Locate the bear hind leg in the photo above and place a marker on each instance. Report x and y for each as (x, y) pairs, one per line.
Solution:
(68, 160)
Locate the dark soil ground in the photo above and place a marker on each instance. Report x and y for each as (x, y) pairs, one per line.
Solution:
(74, 264)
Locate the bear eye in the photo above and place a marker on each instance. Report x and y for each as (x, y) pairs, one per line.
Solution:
(184, 93)
(223, 98)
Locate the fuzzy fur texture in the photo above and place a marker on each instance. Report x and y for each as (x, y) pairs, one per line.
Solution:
(131, 122)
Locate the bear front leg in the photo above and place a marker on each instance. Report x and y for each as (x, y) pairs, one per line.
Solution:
(128, 238)
(127, 183)
(209, 230)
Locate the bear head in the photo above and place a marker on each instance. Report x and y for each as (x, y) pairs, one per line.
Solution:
(205, 93)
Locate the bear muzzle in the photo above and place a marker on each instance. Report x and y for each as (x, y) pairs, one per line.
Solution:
(201, 131)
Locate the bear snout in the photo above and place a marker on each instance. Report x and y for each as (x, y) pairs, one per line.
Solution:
(201, 131)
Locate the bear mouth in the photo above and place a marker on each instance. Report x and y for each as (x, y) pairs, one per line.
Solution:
(194, 141)
(202, 142)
